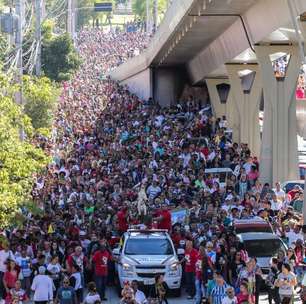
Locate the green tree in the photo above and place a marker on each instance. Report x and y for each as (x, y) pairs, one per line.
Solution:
(139, 8)
(40, 96)
(47, 30)
(19, 160)
(85, 15)
(88, 16)
(59, 58)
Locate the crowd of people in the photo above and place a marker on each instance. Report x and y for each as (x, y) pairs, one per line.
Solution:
(121, 161)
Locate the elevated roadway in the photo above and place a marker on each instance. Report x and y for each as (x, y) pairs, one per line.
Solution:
(233, 43)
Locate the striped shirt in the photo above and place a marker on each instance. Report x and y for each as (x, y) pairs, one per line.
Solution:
(218, 293)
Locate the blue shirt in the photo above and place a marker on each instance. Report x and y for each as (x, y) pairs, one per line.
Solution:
(218, 293)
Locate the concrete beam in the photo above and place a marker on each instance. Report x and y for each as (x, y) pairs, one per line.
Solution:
(279, 161)
(172, 20)
(228, 109)
(247, 103)
(264, 17)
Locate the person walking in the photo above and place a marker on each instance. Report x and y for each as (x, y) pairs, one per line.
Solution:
(93, 296)
(158, 291)
(100, 264)
(190, 260)
(5, 254)
(139, 295)
(286, 281)
(66, 293)
(24, 263)
(76, 282)
(219, 291)
(42, 286)
(270, 282)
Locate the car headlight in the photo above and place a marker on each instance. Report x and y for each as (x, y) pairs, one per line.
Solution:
(126, 267)
(127, 270)
(174, 269)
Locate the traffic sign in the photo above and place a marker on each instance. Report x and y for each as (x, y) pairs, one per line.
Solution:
(103, 7)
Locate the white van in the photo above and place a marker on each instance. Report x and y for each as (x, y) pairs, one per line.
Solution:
(221, 173)
(263, 246)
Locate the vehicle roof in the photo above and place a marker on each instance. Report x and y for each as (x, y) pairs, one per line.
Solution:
(300, 181)
(145, 235)
(251, 222)
(248, 236)
(217, 170)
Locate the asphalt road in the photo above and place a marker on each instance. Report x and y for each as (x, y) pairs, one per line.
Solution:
(112, 298)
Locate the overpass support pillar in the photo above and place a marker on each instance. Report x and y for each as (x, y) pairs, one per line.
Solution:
(279, 157)
(223, 103)
(247, 92)
(168, 85)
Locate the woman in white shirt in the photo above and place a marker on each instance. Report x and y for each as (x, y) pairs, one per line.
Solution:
(43, 287)
(92, 296)
(76, 282)
(286, 281)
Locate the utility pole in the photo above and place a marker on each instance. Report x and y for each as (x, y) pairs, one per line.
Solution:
(147, 16)
(155, 14)
(38, 7)
(304, 205)
(69, 19)
(20, 11)
(73, 20)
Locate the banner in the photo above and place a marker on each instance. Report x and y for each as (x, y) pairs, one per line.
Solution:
(178, 216)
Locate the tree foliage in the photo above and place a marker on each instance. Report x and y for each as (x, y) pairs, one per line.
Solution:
(86, 16)
(139, 8)
(59, 58)
(19, 160)
(41, 96)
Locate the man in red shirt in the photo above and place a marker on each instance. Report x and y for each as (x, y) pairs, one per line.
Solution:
(100, 261)
(191, 256)
(198, 274)
(164, 218)
(122, 220)
(176, 236)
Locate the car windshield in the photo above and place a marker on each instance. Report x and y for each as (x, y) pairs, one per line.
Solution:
(148, 247)
(290, 186)
(244, 229)
(263, 248)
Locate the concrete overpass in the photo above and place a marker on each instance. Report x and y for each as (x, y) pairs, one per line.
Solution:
(230, 42)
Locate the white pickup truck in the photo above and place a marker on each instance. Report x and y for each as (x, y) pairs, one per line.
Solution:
(145, 253)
